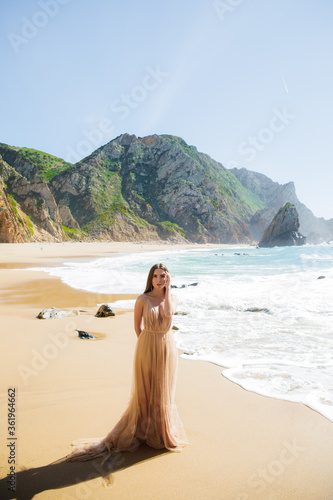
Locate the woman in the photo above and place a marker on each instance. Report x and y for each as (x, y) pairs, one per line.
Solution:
(151, 415)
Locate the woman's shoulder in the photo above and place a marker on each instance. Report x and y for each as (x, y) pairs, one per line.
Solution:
(140, 302)
(141, 298)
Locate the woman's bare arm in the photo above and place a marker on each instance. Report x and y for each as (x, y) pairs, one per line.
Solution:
(138, 313)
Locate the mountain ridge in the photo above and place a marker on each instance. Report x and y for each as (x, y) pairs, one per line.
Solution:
(144, 188)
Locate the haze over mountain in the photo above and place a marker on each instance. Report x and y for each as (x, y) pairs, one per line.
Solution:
(146, 188)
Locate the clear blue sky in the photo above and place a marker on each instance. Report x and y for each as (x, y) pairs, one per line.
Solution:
(249, 82)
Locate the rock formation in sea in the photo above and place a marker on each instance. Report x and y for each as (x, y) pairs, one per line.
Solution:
(141, 188)
(283, 230)
(274, 196)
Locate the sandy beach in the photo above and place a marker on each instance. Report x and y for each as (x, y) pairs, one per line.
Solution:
(243, 446)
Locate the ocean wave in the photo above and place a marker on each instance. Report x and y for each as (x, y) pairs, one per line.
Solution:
(261, 313)
(316, 256)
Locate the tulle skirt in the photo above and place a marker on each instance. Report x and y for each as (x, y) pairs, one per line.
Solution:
(151, 416)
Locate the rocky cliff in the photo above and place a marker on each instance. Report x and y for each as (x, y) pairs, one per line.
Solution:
(35, 209)
(162, 186)
(274, 196)
(11, 231)
(141, 188)
(283, 230)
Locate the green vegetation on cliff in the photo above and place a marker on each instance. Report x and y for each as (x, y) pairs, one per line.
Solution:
(45, 165)
(228, 186)
(151, 187)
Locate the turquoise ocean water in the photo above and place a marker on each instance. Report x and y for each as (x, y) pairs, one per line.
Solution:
(263, 314)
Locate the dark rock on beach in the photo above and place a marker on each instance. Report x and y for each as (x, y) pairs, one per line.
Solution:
(283, 230)
(104, 311)
(85, 335)
(55, 313)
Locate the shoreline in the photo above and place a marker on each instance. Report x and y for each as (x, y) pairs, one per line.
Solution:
(242, 444)
(55, 252)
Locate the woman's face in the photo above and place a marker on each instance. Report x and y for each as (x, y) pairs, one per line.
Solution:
(158, 279)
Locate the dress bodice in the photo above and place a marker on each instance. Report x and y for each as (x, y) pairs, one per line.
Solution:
(153, 317)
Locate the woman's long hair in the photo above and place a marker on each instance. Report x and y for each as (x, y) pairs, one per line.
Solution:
(149, 285)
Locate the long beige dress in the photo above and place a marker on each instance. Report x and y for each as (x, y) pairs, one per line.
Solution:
(151, 415)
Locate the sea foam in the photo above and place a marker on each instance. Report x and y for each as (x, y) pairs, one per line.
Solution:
(262, 314)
